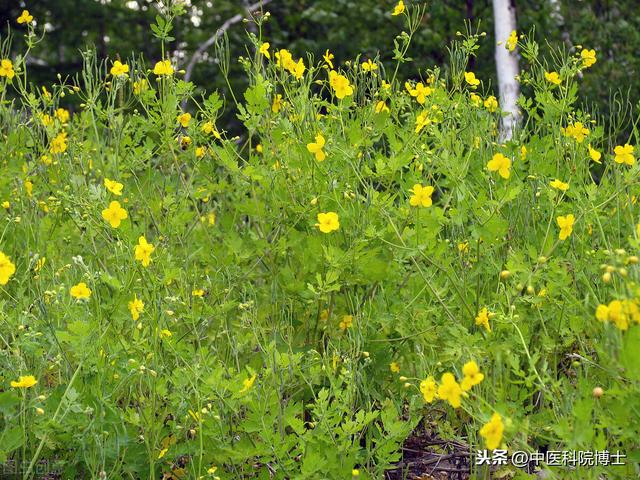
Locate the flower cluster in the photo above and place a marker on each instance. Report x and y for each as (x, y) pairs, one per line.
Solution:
(449, 389)
(619, 312)
(285, 60)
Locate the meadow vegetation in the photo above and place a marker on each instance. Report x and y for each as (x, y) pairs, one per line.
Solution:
(367, 256)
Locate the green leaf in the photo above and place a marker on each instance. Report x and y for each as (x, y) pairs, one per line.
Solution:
(9, 400)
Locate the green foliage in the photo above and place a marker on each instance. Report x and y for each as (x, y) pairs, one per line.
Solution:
(311, 278)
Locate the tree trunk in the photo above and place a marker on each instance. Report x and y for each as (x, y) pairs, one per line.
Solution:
(504, 14)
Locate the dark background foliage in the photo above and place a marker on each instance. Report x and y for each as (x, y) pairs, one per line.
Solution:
(346, 27)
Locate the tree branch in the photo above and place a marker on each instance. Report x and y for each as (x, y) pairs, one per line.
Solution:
(211, 40)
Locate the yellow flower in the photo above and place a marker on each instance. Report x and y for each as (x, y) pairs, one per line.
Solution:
(523, 152)
(80, 291)
(143, 251)
(247, 383)
(184, 119)
(119, 69)
(577, 130)
(264, 49)
(617, 314)
(472, 375)
(449, 390)
(428, 388)
(7, 269)
(381, 107)
(421, 196)
(398, 9)
(209, 128)
(62, 114)
(6, 204)
(136, 306)
(113, 186)
(491, 103)
(198, 292)
(624, 154)
(164, 333)
(512, 41)
(588, 57)
(6, 69)
(560, 185)
(340, 85)
(27, 381)
(553, 77)
(163, 67)
(39, 264)
(394, 367)
(355, 472)
(210, 219)
(25, 17)
(369, 66)
(594, 154)
(422, 120)
(501, 164)
(140, 86)
(328, 56)
(46, 119)
(492, 432)
(276, 106)
(471, 79)
(476, 100)
(566, 225)
(299, 69)
(185, 141)
(284, 59)
(420, 91)
(483, 319)
(317, 146)
(114, 214)
(602, 313)
(200, 152)
(59, 143)
(620, 313)
(463, 247)
(328, 222)
(346, 322)
(28, 186)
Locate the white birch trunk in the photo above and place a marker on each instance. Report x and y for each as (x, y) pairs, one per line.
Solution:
(504, 14)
